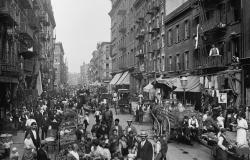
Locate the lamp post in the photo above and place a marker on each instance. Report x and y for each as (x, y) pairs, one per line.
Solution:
(184, 82)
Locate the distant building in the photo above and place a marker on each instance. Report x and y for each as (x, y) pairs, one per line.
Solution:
(84, 74)
(100, 66)
(74, 79)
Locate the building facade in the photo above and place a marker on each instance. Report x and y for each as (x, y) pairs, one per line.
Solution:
(100, 66)
(205, 40)
(84, 74)
(61, 71)
(26, 42)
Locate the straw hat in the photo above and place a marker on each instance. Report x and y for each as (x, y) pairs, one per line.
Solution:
(143, 134)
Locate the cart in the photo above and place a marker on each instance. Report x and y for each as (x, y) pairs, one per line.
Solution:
(168, 117)
(123, 100)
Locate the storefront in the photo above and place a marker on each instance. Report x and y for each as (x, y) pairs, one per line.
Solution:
(221, 89)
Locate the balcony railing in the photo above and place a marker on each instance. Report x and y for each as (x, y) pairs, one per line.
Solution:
(44, 18)
(7, 14)
(8, 68)
(156, 27)
(28, 65)
(44, 36)
(214, 26)
(122, 46)
(209, 62)
(139, 54)
(25, 31)
(28, 4)
(210, 3)
(140, 34)
(155, 6)
(33, 20)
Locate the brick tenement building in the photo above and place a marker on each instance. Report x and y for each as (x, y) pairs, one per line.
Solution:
(123, 43)
(204, 42)
(26, 43)
(149, 20)
(179, 41)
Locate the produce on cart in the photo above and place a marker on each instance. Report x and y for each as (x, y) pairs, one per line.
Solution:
(171, 114)
(210, 139)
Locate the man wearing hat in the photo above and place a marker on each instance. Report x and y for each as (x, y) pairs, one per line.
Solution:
(130, 127)
(145, 148)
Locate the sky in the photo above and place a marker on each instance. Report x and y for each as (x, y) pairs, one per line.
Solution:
(80, 25)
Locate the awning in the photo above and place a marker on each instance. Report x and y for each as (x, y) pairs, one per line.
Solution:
(193, 84)
(170, 82)
(115, 79)
(125, 79)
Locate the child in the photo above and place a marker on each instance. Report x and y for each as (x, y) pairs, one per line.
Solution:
(14, 155)
(131, 154)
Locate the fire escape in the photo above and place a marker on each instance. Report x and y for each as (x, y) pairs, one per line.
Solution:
(210, 30)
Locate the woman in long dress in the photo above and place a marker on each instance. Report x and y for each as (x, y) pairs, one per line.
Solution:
(242, 128)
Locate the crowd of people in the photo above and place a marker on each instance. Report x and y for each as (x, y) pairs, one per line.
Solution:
(105, 140)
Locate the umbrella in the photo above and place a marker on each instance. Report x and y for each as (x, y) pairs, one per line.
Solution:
(149, 88)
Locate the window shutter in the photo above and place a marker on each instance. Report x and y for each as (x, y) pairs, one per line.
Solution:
(174, 63)
(166, 64)
(182, 61)
(183, 30)
(189, 29)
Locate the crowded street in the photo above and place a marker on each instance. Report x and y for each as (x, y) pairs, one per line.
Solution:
(124, 80)
(176, 151)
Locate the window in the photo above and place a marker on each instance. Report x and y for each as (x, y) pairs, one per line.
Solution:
(186, 60)
(163, 63)
(177, 34)
(170, 37)
(170, 63)
(186, 29)
(178, 64)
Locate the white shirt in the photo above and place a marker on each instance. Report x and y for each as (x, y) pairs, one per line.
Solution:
(192, 122)
(34, 133)
(75, 154)
(97, 113)
(28, 143)
(142, 143)
(220, 121)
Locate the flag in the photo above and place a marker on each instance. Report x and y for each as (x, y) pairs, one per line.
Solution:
(39, 84)
(197, 36)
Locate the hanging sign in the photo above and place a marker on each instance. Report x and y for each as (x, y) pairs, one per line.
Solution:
(222, 98)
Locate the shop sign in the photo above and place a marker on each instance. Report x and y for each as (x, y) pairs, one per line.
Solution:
(222, 98)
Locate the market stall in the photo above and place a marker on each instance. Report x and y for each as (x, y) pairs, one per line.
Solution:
(67, 136)
(210, 139)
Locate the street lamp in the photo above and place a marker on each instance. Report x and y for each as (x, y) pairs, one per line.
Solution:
(184, 82)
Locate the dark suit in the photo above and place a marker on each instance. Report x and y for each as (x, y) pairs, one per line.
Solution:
(42, 155)
(145, 152)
